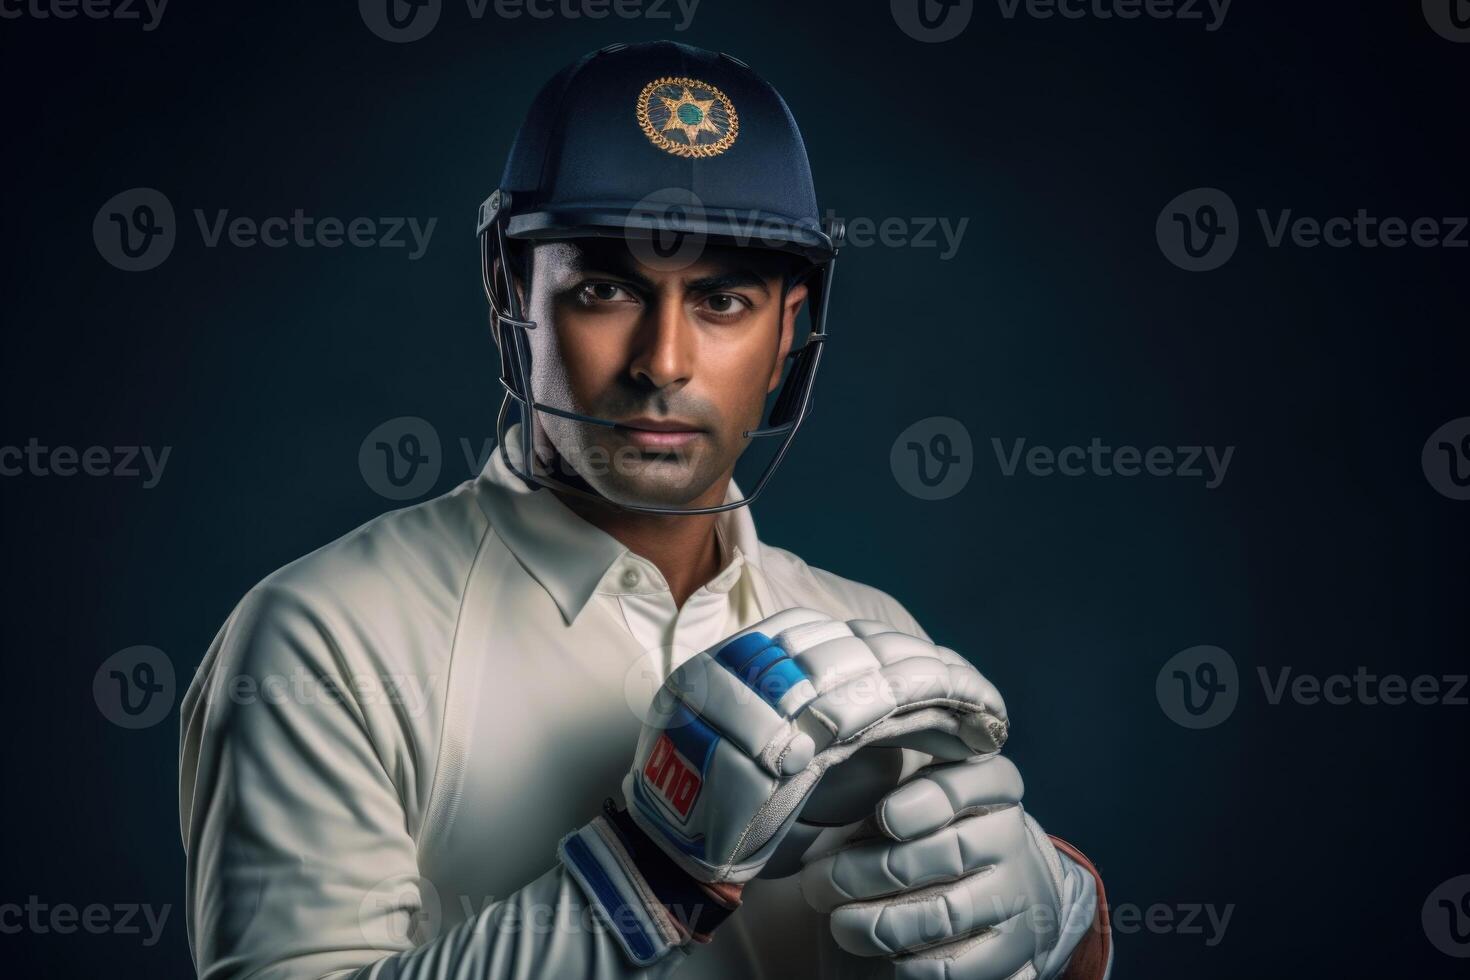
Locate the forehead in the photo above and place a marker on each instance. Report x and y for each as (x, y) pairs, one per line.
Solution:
(617, 256)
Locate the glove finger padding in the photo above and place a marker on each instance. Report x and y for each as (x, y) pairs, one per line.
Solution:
(1002, 953)
(936, 796)
(902, 897)
(1011, 951)
(879, 868)
(916, 674)
(984, 894)
(745, 731)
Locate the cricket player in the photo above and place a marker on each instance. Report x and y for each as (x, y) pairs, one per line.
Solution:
(574, 719)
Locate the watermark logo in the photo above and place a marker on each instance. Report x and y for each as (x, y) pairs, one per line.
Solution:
(1097, 458)
(400, 21)
(403, 21)
(667, 237)
(401, 458)
(1199, 230)
(124, 462)
(932, 21)
(401, 910)
(1450, 19)
(1204, 919)
(1199, 687)
(40, 918)
(670, 228)
(1446, 917)
(1211, 13)
(1362, 687)
(933, 458)
(1446, 459)
(936, 21)
(662, 678)
(134, 688)
(894, 231)
(135, 230)
(147, 12)
(409, 694)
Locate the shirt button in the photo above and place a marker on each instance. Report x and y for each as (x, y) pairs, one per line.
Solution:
(630, 578)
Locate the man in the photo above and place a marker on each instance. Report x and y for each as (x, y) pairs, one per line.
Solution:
(567, 720)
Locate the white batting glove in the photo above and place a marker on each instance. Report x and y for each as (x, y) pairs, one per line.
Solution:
(740, 735)
(957, 882)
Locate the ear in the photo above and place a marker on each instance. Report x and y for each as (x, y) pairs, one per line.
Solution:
(519, 286)
(790, 310)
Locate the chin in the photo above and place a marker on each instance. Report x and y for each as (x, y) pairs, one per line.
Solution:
(676, 490)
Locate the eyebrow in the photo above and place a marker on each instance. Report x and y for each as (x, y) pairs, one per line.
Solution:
(727, 280)
(719, 282)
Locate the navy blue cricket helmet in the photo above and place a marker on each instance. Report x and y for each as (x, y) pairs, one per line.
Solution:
(667, 147)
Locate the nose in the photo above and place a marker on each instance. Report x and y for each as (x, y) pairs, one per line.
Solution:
(665, 346)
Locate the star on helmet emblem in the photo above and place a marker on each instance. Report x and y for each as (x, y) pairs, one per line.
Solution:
(690, 115)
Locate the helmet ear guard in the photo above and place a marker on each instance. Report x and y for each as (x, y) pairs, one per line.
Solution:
(790, 408)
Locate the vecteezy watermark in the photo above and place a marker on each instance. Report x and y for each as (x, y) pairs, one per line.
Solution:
(402, 909)
(403, 21)
(936, 21)
(1446, 917)
(34, 459)
(662, 235)
(1362, 687)
(64, 919)
(1450, 19)
(645, 683)
(932, 21)
(1446, 459)
(410, 692)
(136, 230)
(1210, 13)
(134, 688)
(304, 231)
(1200, 688)
(1199, 230)
(401, 459)
(1203, 919)
(933, 458)
(407, 909)
(1179, 919)
(893, 231)
(1208, 463)
(149, 13)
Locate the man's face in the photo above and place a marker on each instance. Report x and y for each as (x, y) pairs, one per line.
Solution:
(682, 358)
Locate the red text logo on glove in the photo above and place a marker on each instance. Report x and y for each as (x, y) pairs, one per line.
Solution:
(672, 776)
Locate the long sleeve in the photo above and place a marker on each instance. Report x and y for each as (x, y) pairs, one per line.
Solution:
(302, 861)
(1092, 958)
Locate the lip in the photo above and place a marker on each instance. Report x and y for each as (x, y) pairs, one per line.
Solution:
(651, 433)
(649, 424)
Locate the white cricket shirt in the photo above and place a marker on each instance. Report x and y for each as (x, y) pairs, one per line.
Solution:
(389, 736)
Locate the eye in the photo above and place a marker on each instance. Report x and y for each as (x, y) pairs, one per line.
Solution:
(604, 292)
(725, 304)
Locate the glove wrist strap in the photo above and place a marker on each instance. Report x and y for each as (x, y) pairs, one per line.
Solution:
(696, 908)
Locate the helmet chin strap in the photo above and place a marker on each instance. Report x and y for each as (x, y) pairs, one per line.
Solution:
(790, 409)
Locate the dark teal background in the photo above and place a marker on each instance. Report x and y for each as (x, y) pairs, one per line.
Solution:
(1059, 320)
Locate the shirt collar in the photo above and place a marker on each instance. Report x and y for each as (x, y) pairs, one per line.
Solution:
(569, 557)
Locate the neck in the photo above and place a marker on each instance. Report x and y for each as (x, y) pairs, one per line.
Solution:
(683, 547)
